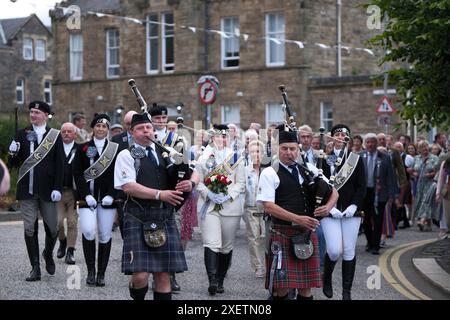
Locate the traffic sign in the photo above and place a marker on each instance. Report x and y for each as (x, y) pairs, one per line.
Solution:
(385, 106)
(384, 120)
(207, 92)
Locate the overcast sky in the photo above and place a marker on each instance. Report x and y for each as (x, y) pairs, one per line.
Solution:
(23, 8)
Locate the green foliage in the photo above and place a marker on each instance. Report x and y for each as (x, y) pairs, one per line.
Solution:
(417, 35)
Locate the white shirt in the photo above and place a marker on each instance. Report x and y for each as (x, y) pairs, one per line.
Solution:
(40, 131)
(160, 134)
(68, 147)
(310, 156)
(409, 161)
(251, 186)
(269, 182)
(99, 144)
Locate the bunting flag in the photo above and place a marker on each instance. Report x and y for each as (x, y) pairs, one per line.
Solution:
(227, 35)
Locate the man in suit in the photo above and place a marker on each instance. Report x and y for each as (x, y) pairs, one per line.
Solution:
(39, 184)
(125, 140)
(66, 207)
(79, 120)
(381, 187)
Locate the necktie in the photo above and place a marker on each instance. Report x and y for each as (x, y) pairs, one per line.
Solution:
(370, 182)
(295, 172)
(152, 156)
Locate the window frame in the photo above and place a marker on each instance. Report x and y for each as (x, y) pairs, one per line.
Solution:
(71, 54)
(275, 34)
(224, 41)
(37, 49)
(149, 39)
(324, 105)
(22, 89)
(48, 91)
(268, 105)
(108, 53)
(29, 47)
(223, 112)
(164, 36)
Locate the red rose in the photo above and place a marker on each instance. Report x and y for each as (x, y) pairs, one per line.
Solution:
(208, 181)
(85, 147)
(223, 179)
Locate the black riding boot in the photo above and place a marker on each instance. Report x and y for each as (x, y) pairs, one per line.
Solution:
(328, 268)
(104, 250)
(70, 256)
(89, 256)
(173, 283)
(48, 253)
(62, 249)
(224, 265)
(33, 254)
(348, 272)
(211, 262)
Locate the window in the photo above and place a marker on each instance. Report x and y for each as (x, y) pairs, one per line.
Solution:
(40, 50)
(48, 91)
(76, 56)
(27, 48)
(20, 89)
(326, 116)
(274, 114)
(152, 43)
(168, 62)
(112, 53)
(231, 114)
(274, 39)
(230, 43)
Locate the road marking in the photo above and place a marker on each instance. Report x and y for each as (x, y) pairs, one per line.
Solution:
(11, 223)
(403, 285)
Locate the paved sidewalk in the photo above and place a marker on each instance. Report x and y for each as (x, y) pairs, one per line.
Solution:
(433, 262)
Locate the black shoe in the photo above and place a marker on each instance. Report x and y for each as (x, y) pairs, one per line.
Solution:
(35, 274)
(376, 251)
(368, 248)
(70, 256)
(62, 249)
(100, 280)
(405, 225)
(90, 280)
(173, 283)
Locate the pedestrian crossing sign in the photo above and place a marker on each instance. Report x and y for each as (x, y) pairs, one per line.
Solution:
(385, 106)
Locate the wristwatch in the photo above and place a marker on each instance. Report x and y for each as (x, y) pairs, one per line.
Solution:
(158, 193)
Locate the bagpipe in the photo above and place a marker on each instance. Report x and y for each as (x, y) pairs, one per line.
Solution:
(321, 190)
(183, 170)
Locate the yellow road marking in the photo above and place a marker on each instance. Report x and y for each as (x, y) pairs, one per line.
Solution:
(403, 285)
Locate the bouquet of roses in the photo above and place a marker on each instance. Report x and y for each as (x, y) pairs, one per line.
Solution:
(218, 184)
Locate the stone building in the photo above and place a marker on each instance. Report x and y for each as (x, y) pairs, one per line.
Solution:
(25, 63)
(252, 47)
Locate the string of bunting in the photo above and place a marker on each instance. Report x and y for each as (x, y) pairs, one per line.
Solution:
(227, 35)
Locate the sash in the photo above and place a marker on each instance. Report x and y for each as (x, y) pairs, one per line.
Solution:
(346, 171)
(170, 139)
(227, 167)
(103, 163)
(39, 154)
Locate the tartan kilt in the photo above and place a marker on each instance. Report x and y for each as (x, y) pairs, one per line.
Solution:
(138, 257)
(294, 273)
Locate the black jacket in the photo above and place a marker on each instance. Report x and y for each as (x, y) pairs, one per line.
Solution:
(48, 174)
(103, 185)
(122, 140)
(354, 189)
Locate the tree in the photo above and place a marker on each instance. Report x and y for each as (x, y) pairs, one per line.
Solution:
(417, 35)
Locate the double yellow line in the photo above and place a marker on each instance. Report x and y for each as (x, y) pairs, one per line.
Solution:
(399, 281)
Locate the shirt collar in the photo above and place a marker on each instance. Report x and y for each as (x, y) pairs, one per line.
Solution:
(39, 129)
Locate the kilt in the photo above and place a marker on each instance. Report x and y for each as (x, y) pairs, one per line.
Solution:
(138, 257)
(294, 273)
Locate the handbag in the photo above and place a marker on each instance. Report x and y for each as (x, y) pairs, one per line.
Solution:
(302, 246)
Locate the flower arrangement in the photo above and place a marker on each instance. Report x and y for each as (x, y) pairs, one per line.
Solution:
(218, 184)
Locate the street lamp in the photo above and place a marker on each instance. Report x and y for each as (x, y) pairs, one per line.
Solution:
(118, 110)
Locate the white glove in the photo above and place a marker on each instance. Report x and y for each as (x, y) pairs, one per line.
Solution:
(175, 155)
(350, 211)
(107, 201)
(222, 198)
(91, 202)
(55, 196)
(14, 147)
(214, 197)
(336, 214)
